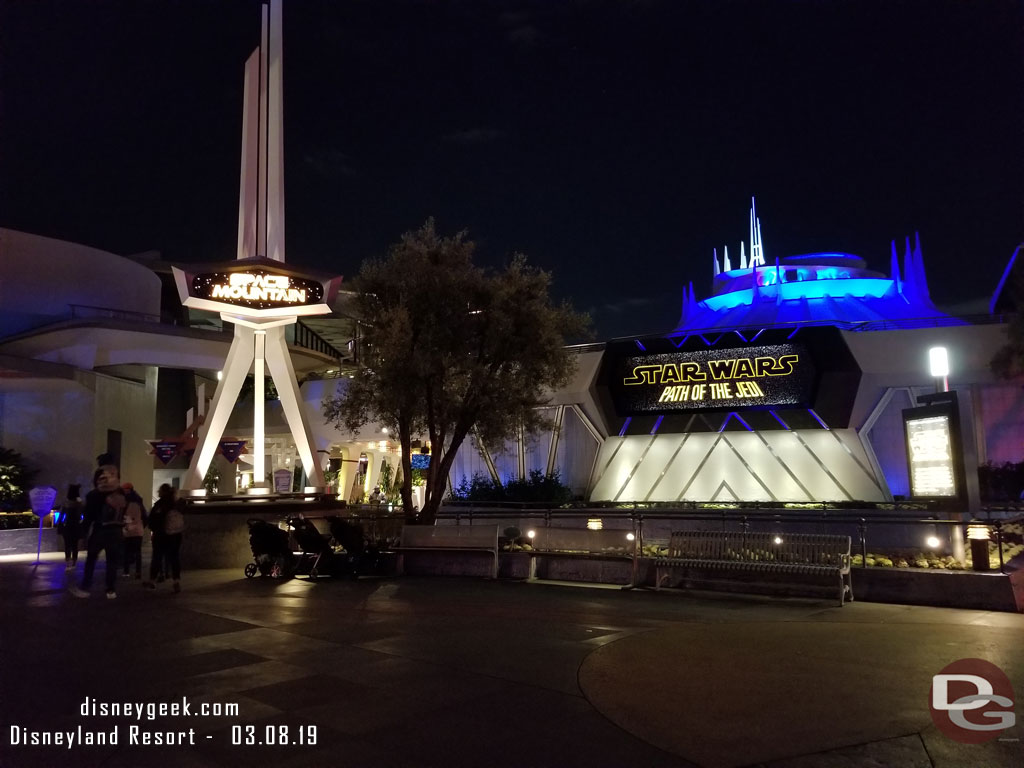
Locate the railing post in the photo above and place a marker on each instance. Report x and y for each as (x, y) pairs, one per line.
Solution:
(862, 529)
(999, 544)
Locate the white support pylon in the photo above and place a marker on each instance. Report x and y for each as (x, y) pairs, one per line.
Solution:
(236, 367)
(283, 373)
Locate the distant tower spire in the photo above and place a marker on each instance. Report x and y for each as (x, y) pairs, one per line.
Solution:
(714, 255)
(756, 246)
(743, 257)
(261, 188)
(894, 269)
(726, 266)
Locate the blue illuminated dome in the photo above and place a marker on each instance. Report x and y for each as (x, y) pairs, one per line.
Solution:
(812, 289)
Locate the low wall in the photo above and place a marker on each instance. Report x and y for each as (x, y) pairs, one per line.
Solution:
(23, 541)
(219, 537)
(951, 589)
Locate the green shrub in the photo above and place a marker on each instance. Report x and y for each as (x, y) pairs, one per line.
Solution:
(539, 488)
(11, 520)
(15, 480)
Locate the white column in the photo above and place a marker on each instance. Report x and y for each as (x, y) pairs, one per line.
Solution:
(259, 411)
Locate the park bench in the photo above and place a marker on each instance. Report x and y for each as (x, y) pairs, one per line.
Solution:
(579, 542)
(803, 556)
(449, 538)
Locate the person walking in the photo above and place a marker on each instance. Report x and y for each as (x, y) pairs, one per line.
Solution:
(103, 522)
(134, 527)
(167, 523)
(70, 526)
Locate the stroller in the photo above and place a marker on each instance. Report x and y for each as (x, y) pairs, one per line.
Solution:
(318, 558)
(270, 551)
(350, 537)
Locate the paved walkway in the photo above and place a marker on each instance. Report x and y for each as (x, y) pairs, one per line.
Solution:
(457, 672)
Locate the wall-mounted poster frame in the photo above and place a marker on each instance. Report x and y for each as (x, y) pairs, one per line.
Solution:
(934, 448)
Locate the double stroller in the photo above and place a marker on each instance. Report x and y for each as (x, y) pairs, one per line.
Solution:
(339, 554)
(272, 555)
(319, 556)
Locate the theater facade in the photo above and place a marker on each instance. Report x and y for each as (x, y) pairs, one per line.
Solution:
(786, 384)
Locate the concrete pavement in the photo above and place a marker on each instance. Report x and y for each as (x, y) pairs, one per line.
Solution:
(460, 672)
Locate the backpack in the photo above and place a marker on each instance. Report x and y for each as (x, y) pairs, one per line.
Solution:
(112, 513)
(175, 521)
(133, 518)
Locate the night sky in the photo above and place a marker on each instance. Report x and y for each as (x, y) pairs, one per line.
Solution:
(615, 143)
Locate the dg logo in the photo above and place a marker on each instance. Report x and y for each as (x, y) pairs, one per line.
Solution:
(972, 701)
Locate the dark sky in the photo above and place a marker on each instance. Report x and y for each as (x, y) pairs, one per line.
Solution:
(615, 143)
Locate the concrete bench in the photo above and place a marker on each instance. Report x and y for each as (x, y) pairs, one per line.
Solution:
(579, 542)
(449, 538)
(794, 554)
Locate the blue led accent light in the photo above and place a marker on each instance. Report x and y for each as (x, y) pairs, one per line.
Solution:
(640, 345)
(784, 424)
(1002, 281)
(733, 414)
(625, 426)
(657, 424)
(757, 334)
(817, 418)
(795, 330)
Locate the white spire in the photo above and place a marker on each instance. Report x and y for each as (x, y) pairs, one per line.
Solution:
(726, 266)
(714, 255)
(756, 246)
(743, 257)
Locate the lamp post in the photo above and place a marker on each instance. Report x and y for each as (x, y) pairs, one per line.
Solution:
(938, 363)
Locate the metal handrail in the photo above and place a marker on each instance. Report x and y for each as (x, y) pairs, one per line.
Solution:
(726, 516)
(85, 311)
(309, 339)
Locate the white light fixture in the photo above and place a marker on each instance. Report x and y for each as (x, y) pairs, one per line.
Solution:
(938, 365)
(777, 540)
(220, 375)
(595, 524)
(384, 430)
(630, 537)
(933, 542)
(978, 531)
(530, 534)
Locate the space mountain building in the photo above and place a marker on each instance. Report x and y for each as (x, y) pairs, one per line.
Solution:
(787, 384)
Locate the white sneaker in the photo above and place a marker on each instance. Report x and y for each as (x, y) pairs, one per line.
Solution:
(78, 591)
(111, 595)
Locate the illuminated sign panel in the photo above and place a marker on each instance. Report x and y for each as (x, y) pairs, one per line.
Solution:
(747, 377)
(257, 289)
(930, 451)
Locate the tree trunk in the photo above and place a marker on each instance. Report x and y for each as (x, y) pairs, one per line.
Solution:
(405, 439)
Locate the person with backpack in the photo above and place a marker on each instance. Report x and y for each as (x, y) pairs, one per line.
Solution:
(70, 525)
(135, 519)
(103, 522)
(167, 522)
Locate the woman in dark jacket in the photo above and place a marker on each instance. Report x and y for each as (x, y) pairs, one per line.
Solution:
(165, 523)
(70, 526)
